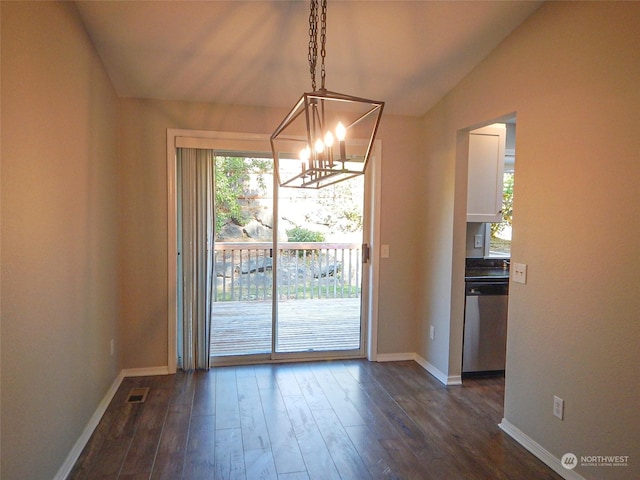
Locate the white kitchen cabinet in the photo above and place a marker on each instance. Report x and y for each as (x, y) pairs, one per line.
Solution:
(486, 167)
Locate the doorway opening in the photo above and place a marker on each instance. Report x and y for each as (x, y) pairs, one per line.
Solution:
(490, 192)
(289, 281)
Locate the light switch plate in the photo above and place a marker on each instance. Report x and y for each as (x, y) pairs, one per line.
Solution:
(384, 251)
(519, 273)
(477, 241)
(558, 407)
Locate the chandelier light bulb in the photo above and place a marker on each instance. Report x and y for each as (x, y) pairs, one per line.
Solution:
(305, 153)
(328, 139)
(319, 146)
(341, 132)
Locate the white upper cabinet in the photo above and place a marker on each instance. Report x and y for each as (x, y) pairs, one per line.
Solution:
(486, 166)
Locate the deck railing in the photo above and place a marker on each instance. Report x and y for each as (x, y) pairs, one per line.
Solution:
(244, 271)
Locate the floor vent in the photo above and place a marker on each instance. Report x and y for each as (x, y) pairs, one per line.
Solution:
(137, 395)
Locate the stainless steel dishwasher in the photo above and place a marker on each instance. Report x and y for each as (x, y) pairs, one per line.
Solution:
(485, 326)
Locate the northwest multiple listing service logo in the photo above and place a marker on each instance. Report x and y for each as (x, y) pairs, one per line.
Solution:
(571, 461)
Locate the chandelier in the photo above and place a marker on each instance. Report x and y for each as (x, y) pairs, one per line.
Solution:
(327, 137)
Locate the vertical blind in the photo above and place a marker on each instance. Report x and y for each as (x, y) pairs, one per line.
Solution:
(195, 169)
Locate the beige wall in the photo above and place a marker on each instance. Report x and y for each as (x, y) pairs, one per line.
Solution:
(143, 127)
(571, 73)
(59, 235)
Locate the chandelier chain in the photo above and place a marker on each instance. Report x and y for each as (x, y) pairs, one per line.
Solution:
(323, 41)
(313, 41)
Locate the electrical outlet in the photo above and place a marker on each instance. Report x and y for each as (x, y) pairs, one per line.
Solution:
(558, 407)
(432, 332)
(477, 241)
(519, 272)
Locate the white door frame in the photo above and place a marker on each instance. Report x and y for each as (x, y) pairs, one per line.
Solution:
(260, 143)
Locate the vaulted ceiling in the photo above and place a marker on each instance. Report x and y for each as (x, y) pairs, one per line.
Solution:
(407, 53)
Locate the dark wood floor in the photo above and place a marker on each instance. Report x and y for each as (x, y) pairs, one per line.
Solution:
(323, 420)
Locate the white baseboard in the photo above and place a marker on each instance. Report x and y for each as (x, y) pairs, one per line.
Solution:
(76, 451)
(145, 371)
(438, 374)
(394, 357)
(448, 380)
(538, 450)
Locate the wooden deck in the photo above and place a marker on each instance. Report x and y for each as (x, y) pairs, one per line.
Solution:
(244, 328)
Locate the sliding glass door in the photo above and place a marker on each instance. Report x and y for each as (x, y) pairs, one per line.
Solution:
(287, 271)
(319, 287)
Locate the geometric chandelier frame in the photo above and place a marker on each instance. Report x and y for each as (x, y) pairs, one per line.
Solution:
(327, 137)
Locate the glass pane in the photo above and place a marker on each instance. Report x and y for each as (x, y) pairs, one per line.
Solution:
(242, 301)
(319, 268)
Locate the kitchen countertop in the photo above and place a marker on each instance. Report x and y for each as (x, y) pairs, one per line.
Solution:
(479, 269)
(486, 274)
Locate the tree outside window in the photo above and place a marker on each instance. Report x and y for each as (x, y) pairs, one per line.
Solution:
(500, 232)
